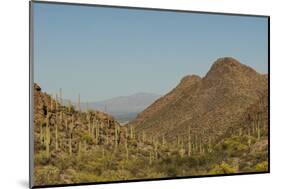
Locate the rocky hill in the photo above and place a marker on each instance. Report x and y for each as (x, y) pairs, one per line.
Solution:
(210, 104)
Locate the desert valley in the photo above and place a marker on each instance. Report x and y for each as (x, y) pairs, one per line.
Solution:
(216, 124)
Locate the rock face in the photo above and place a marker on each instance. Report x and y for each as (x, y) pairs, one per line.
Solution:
(211, 104)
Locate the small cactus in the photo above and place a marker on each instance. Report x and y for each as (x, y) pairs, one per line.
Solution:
(163, 140)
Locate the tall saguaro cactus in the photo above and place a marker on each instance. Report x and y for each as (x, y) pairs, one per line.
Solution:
(71, 127)
(70, 146)
(69, 106)
(249, 137)
(189, 142)
(61, 96)
(79, 149)
(143, 137)
(61, 118)
(97, 133)
(56, 105)
(163, 140)
(56, 137)
(150, 157)
(41, 132)
(79, 108)
(48, 136)
(127, 150)
(116, 137)
(51, 102)
(131, 132)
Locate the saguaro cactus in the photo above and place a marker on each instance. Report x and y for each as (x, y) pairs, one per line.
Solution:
(69, 106)
(79, 149)
(189, 142)
(156, 150)
(240, 131)
(200, 146)
(131, 132)
(51, 103)
(89, 128)
(97, 133)
(70, 145)
(56, 137)
(210, 144)
(126, 149)
(143, 137)
(61, 118)
(41, 132)
(178, 141)
(163, 140)
(48, 136)
(61, 96)
(79, 108)
(150, 157)
(66, 124)
(47, 141)
(116, 136)
(56, 105)
(106, 139)
(258, 126)
(71, 127)
(249, 137)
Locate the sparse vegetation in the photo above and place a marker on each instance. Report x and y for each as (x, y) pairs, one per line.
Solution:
(74, 146)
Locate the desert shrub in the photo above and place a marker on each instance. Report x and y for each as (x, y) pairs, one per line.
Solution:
(85, 136)
(85, 177)
(40, 158)
(263, 166)
(63, 162)
(233, 147)
(223, 168)
(46, 175)
(192, 161)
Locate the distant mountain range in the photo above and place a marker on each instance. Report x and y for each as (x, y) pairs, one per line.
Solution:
(123, 108)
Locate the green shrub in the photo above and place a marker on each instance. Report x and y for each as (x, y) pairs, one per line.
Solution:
(263, 166)
(223, 168)
(41, 158)
(46, 175)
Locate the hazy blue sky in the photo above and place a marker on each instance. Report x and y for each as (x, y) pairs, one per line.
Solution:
(108, 52)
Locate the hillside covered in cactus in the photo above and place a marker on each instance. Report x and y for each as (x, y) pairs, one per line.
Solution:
(217, 124)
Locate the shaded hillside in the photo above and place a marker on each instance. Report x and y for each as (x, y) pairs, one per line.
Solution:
(206, 106)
